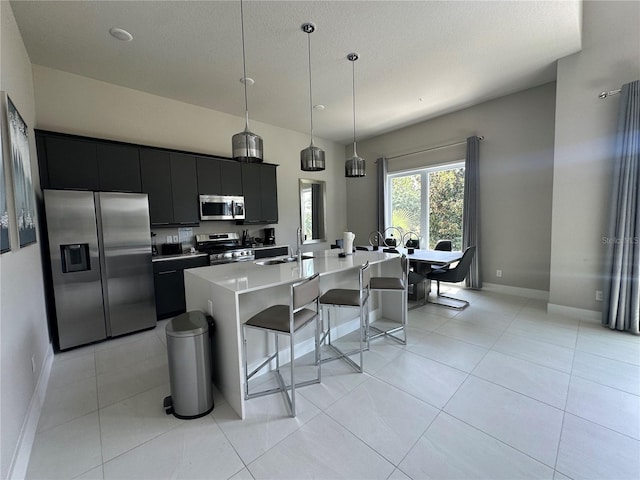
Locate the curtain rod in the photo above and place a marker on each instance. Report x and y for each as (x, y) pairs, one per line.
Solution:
(603, 95)
(432, 148)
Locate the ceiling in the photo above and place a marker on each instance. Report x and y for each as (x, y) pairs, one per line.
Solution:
(418, 59)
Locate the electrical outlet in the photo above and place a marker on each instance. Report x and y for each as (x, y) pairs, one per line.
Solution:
(33, 363)
(498, 273)
(169, 238)
(599, 296)
(175, 239)
(210, 304)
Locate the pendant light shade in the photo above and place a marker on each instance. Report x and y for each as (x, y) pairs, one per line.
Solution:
(354, 166)
(312, 157)
(246, 146)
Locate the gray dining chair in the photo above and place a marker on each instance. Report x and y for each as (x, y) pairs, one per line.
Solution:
(452, 275)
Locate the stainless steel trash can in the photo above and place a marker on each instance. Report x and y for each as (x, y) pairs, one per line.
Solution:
(189, 353)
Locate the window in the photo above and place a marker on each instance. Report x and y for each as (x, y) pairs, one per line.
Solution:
(428, 202)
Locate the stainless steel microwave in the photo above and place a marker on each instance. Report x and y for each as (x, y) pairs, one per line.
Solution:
(221, 207)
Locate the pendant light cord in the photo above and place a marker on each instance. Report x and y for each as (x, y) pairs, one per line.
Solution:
(244, 71)
(310, 90)
(353, 58)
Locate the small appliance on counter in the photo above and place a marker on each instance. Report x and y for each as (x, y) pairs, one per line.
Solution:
(223, 248)
(269, 236)
(171, 249)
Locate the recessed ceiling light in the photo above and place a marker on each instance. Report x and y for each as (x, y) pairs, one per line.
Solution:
(120, 34)
(318, 107)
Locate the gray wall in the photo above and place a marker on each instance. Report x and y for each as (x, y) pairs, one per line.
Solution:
(584, 143)
(516, 173)
(23, 324)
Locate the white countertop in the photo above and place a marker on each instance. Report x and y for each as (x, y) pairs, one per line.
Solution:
(243, 277)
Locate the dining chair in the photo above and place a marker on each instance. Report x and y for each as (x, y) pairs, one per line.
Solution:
(348, 298)
(453, 275)
(287, 320)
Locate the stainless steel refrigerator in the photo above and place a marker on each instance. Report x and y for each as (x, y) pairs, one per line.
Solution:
(101, 271)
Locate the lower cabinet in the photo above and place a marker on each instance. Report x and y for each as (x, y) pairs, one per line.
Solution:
(168, 280)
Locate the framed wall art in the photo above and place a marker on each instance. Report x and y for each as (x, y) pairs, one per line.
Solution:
(5, 244)
(23, 192)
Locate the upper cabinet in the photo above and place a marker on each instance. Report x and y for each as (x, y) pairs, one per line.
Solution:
(118, 168)
(171, 183)
(173, 180)
(260, 193)
(217, 176)
(86, 164)
(70, 164)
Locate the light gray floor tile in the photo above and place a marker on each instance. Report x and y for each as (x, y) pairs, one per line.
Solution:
(589, 451)
(66, 402)
(138, 419)
(381, 352)
(124, 355)
(455, 353)
(533, 380)
(542, 353)
(521, 422)
(266, 423)
(195, 449)
(612, 373)
(558, 476)
(398, 475)
(389, 420)
(425, 319)
(451, 449)
(476, 334)
(609, 344)
(67, 450)
(93, 474)
(243, 474)
(65, 371)
(321, 449)
(606, 406)
(423, 378)
(557, 335)
(489, 316)
(117, 385)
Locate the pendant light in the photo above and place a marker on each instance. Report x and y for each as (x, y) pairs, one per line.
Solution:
(246, 146)
(354, 166)
(312, 157)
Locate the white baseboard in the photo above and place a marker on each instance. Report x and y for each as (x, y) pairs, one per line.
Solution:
(592, 316)
(517, 291)
(20, 462)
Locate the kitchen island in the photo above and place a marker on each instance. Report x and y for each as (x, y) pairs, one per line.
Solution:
(232, 293)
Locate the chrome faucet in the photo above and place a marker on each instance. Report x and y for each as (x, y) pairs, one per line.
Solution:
(299, 243)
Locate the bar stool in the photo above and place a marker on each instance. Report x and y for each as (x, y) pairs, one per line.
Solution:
(392, 284)
(350, 298)
(287, 320)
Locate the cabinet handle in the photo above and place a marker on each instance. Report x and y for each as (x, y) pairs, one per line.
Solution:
(160, 223)
(167, 271)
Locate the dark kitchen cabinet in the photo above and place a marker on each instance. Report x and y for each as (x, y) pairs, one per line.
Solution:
(269, 193)
(208, 175)
(168, 280)
(231, 178)
(118, 168)
(219, 177)
(155, 171)
(184, 188)
(70, 164)
(171, 183)
(260, 191)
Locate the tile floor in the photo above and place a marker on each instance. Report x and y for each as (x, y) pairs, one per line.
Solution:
(499, 391)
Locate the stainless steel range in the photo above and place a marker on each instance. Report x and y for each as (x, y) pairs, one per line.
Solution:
(223, 248)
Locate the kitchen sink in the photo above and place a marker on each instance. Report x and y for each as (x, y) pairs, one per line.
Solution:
(278, 261)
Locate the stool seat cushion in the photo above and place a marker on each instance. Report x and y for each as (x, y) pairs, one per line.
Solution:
(386, 283)
(341, 296)
(276, 318)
